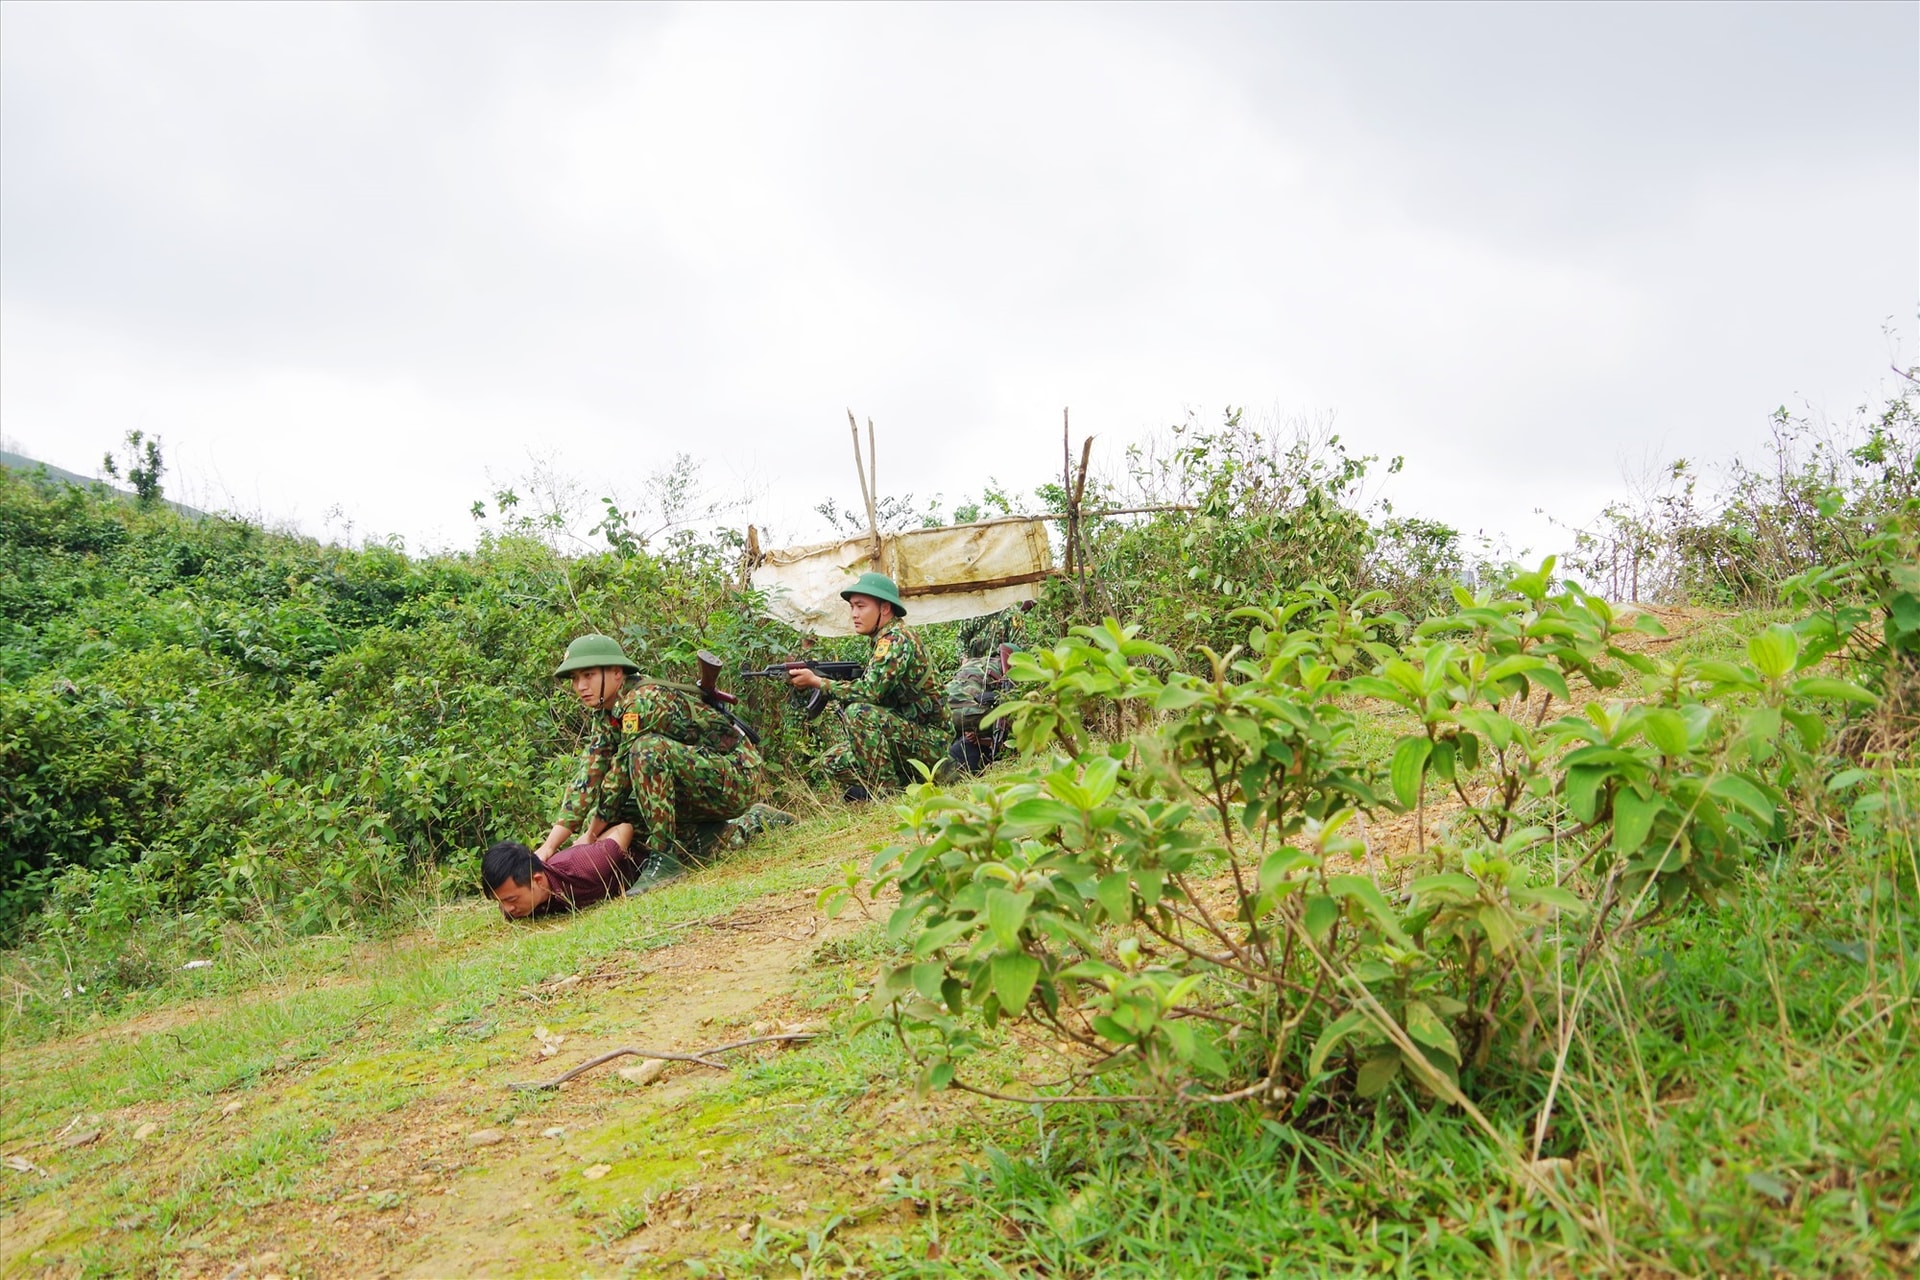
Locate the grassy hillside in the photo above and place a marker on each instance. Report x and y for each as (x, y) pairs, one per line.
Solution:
(208, 726)
(1742, 1098)
(1390, 925)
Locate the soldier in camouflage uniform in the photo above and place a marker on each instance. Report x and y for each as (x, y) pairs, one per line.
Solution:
(982, 637)
(892, 715)
(659, 757)
(978, 686)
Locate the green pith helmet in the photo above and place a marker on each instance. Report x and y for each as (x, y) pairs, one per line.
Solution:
(880, 587)
(594, 651)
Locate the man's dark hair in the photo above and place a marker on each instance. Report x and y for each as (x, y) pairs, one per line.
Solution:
(509, 860)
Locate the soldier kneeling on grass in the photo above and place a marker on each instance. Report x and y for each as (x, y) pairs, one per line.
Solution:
(892, 715)
(658, 758)
(976, 688)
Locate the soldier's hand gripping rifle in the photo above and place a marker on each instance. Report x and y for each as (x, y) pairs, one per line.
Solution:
(817, 699)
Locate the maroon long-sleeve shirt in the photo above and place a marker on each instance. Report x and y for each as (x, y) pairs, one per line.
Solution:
(586, 873)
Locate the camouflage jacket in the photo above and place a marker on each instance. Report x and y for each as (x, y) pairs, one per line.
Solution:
(899, 677)
(982, 637)
(644, 708)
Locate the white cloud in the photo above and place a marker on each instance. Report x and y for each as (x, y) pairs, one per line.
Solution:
(365, 256)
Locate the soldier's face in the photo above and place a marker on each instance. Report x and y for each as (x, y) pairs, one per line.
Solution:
(596, 687)
(869, 615)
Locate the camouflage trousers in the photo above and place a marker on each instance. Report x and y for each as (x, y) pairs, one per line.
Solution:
(876, 748)
(667, 788)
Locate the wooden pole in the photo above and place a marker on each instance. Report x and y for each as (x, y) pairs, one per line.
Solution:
(1066, 482)
(866, 486)
(1079, 491)
(858, 465)
(873, 495)
(749, 557)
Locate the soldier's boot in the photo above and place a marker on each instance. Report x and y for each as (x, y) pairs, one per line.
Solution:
(656, 871)
(756, 821)
(699, 843)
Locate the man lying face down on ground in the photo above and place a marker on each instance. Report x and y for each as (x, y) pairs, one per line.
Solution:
(524, 885)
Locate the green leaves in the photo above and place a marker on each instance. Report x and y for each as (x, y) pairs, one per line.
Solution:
(1114, 893)
(1409, 766)
(1319, 915)
(1179, 896)
(1013, 980)
(1665, 730)
(1745, 794)
(1424, 1027)
(1563, 900)
(1830, 688)
(1377, 1072)
(1633, 816)
(1280, 864)
(1772, 651)
(1006, 913)
(1361, 891)
(1336, 1031)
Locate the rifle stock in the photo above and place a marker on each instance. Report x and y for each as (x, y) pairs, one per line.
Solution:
(710, 679)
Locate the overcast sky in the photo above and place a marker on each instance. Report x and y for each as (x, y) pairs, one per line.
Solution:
(371, 257)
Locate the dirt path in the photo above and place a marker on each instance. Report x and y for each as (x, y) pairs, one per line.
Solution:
(461, 1176)
(733, 976)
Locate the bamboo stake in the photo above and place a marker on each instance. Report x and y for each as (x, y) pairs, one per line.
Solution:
(866, 487)
(1066, 481)
(858, 465)
(873, 495)
(1079, 490)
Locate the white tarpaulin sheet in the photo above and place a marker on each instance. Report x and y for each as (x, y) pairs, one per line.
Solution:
(962, 571)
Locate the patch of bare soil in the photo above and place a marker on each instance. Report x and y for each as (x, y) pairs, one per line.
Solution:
(441, 1187)
(1678, 620)
(464, 1177)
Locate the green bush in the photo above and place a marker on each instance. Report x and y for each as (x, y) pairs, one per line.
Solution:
(204, 717)
(1822, 497)
(1200, 910)
(1240, 514)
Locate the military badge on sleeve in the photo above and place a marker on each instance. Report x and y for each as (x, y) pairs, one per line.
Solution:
(630, 722)
(881, 646)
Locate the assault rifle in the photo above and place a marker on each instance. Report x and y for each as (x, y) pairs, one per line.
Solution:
(710, 691)
(714, 696)
(817, 698)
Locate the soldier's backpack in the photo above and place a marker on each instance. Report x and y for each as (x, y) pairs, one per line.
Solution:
(974, 690)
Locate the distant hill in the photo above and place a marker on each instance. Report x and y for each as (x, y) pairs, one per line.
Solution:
(21, 462)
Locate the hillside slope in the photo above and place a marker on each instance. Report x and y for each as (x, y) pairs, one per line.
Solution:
(341, 1107)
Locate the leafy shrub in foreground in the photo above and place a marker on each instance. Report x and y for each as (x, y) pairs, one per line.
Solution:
(1203, 910)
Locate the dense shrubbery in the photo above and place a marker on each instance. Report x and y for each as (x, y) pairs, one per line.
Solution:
(203, 721)
(1252, 513)
(209, 721)
(1076, 893)
(1198, 907)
